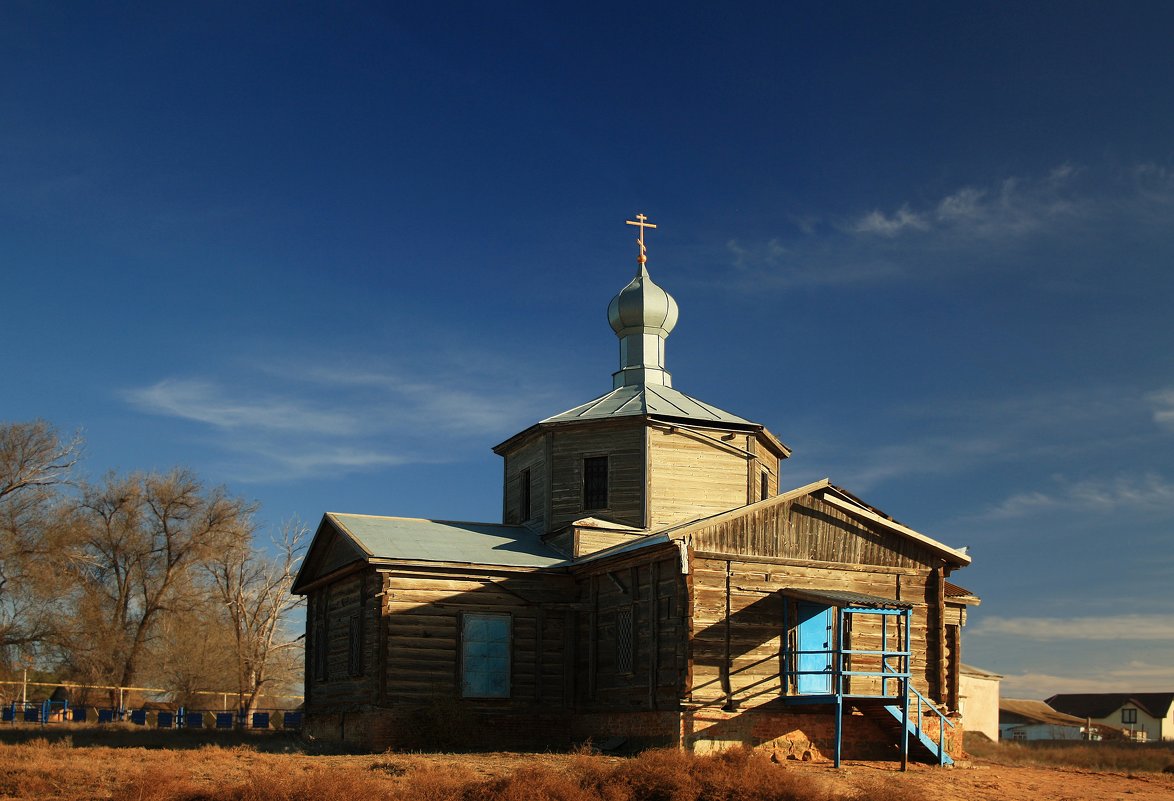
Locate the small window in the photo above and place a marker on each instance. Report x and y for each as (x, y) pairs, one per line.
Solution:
(1129, 716)
(355, 646)
(595, 482)
(624, 659)
(320, 648)
(525, 510)
(764, 485)
(485, 656)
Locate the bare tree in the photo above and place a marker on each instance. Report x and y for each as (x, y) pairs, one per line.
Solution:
(141, 538)
(32, 456)
(254, 590)
(34, 461)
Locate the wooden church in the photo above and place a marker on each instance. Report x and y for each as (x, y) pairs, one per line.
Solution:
(650, 584)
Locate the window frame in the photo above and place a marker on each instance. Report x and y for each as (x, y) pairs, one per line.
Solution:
(465, 618)
(625, 633)
(1129, 715)
(587, 497)
(525, 501)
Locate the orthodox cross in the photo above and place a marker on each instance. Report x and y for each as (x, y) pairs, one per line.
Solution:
(641, 222)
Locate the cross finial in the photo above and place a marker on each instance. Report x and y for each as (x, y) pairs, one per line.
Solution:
(642, 222)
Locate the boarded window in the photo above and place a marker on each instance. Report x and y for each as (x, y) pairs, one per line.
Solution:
(319, 648)
(485, 656)
(624, 661)
(525, 504)
(595, 482)
(355, 646)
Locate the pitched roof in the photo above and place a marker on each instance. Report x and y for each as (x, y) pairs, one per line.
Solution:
(1035, 712)
(649, 399)
(1102, 705)
(971, 670)
(417, 539)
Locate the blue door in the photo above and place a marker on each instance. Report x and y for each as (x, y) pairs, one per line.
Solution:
(813, 639)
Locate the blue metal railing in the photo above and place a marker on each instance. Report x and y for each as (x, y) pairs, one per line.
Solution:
(904, 694)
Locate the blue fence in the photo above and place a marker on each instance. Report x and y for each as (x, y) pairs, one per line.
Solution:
(53, 712)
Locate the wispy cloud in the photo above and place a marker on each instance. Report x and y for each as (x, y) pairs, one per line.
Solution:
(280, 420)
(1162, 404)
(205, 401)
(1132, 676)
(1147, 492)
(1102, 628)
(1014, 207)
(942, 436)
(890, 225)
(974, 226)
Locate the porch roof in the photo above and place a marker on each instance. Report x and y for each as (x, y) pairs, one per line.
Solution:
(841, 598)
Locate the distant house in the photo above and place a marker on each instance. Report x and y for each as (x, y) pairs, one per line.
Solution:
(978, 699)
(1145, 716)
(1021, 719)
(650, 581)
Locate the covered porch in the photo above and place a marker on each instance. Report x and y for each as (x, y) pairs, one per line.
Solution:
(847, 649)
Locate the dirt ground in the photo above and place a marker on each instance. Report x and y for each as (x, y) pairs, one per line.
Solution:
(974, 781)
(65, 772)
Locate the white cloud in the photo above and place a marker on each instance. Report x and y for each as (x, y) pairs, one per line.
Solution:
(277, 421)
(1133, 676)
(1100, 628)
(207, 402)
(1162, 404)
(890, 225)
(990, 225)
(1011, 209)
(1147, 492)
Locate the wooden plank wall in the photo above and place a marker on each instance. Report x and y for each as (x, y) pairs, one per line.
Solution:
(652, 589)
(807, 528)
(623, 443)
(423, 608)
(693, 476)
(333, 606)
(738, 639)
(529, 454)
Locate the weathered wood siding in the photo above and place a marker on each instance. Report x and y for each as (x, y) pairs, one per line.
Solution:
(344, 609)
(652, 591)
(739, 644)
(809, 529)
(422, 619)
(531, 455)
(694, 474)
(765, 460)
(623, 443)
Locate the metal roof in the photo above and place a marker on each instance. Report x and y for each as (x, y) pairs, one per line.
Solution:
(416, 539)
(649, 399)
(841, 598)
(1102, 705)
(1037, 711)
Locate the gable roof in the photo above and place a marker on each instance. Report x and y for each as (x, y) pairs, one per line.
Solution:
(838, 497)
(1035, 712)
(373, 538)
(1102, 705)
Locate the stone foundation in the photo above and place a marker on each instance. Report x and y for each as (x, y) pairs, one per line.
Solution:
(788, 733)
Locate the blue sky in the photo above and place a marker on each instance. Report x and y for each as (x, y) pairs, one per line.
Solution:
(329, 254)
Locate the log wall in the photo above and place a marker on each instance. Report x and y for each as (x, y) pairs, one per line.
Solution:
(694, 474)
(423, 608)
(623, 443)
(651, 590)
(738, 642)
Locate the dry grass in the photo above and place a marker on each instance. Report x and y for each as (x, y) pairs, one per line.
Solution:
(40, 769)
(1115, 757)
